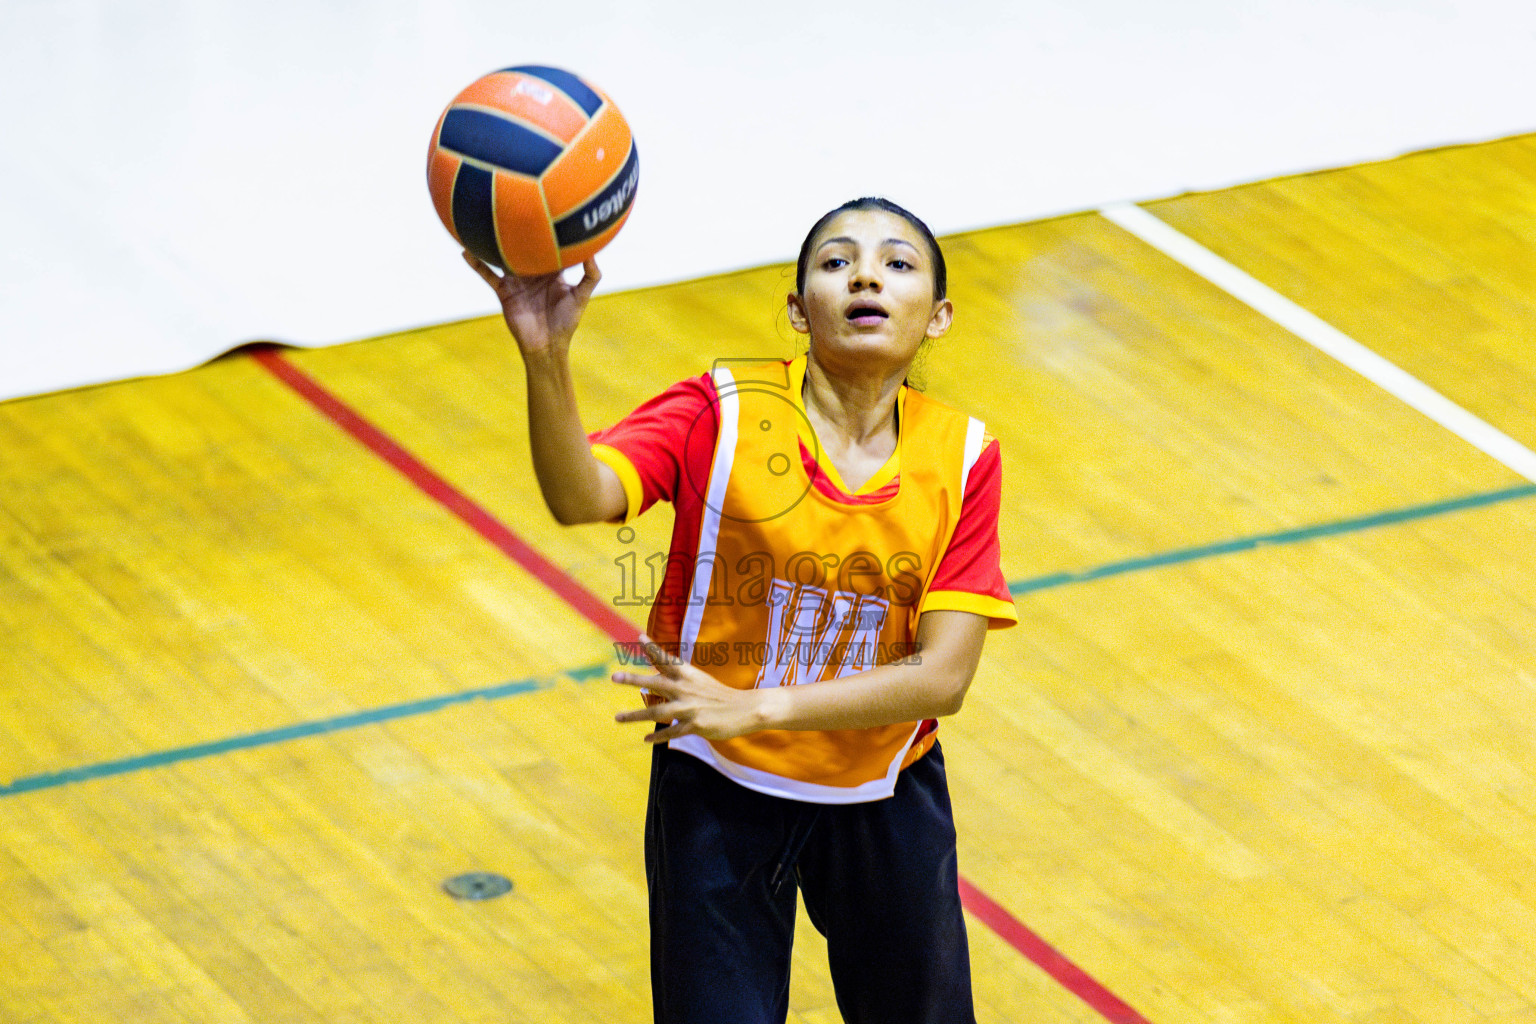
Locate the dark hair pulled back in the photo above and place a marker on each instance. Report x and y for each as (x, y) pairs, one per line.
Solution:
(940, 274)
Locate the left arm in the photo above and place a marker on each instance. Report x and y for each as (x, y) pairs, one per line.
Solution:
(931, 685)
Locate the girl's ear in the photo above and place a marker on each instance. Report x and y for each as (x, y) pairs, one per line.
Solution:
(797, 318)
(943, 316)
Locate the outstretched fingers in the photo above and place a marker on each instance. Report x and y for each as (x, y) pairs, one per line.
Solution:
(686, 700)
(643, 682)
(668, 664)
(590, 275)
(482, 268)
(661, 714)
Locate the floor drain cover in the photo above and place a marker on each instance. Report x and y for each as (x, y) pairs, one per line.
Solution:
(477, 885)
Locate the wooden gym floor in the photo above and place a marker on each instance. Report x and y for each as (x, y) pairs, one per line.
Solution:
(1260, 750)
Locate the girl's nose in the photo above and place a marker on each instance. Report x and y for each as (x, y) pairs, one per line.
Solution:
(864, 275)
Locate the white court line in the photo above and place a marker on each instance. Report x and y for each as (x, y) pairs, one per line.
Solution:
(1324, 337)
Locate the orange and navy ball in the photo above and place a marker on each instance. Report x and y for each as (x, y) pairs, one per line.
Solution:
(532, 169)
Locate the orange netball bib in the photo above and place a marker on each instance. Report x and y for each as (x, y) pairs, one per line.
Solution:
(792, 586)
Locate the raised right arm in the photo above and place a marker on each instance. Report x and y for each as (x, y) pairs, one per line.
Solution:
(542, 314)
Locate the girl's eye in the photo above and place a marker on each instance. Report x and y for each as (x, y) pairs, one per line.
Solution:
(833, 263)
(901, 264)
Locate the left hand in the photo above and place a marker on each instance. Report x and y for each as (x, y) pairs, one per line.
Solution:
(692, 700)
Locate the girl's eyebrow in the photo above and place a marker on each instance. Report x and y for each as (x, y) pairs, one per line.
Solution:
(850, 241)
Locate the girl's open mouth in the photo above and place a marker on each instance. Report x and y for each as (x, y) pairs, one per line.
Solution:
(867, 316)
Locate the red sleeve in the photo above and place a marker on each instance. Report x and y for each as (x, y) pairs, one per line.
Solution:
(667, 442)
(970, 574)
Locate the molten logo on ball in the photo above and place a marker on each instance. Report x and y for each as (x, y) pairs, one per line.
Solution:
(605, 209)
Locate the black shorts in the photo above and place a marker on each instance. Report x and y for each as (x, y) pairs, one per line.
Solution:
(879, 881)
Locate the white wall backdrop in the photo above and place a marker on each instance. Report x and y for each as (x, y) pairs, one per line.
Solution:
(179, 178)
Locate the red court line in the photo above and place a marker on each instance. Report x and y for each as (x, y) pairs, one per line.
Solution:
(449, 496)
(1050, 960)
(981, 906)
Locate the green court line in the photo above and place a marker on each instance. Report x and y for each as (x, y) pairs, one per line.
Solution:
(160, 759)
(1342, 526)
(49, 780)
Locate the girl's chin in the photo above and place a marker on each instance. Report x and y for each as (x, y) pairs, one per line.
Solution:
(867, 345)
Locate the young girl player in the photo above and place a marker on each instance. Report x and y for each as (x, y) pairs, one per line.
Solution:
(834, 571)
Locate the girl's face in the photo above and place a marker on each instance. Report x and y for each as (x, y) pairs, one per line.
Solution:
(869, 292)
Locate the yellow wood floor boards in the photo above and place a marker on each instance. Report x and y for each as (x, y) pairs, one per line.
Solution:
(1295, 783)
